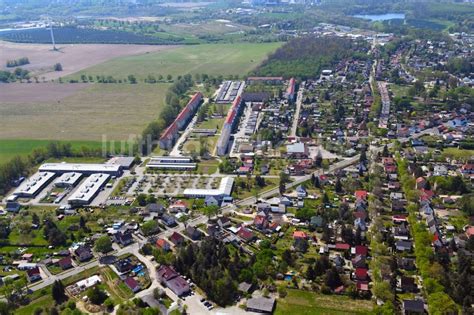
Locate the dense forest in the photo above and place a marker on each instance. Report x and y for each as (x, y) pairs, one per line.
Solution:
(306, 56)
(213, 268)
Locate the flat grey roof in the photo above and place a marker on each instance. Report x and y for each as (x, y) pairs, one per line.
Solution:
(79, 167)
(34, 184)
(68, 178)
(262, 304)
(89, 188)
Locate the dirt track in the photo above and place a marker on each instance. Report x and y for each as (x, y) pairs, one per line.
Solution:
(73, 58)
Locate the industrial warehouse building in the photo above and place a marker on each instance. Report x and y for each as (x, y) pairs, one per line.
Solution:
(229, 124)
(172, 163)
(224, 190)
(83, 168)
(170, 135)
(68, 180)
(88, 190)
(33, 185)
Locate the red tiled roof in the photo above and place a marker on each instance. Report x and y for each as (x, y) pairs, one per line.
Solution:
(131, 283)
(361, 250)
(360, 194)
(162, 243)
(470, 231)
(245, 233)
(174, 127)
(342, 246)
(291, 87)
(299, 234)
(361, 273)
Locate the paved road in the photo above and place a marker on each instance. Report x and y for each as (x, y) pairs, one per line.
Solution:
(299, 101)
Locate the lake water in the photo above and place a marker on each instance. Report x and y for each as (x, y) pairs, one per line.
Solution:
(381, 17)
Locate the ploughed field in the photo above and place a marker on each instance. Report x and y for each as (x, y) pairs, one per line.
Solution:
(72, 57)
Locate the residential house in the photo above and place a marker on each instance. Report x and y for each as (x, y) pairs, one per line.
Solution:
(163, 244)
(170, 278)
(123, 239)
(124, 265)
(193, 233)
(260, 222)
(155, 208)
(260, 305)
(300, 235)
(410, 307)
(408, 284)
(301, 192)
(176, 238)
(246, 234)
(83, 253)
(406, 263)
(168, 220)
(132, 284)
(33, 274)
(211, 201)
(361, 274)
(403, 246)
(65, 263)
(224, 222)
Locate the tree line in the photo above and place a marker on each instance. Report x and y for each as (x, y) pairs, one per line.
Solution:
(17, 62)
(21, 166)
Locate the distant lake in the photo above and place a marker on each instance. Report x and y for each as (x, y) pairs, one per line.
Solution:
(381, 17)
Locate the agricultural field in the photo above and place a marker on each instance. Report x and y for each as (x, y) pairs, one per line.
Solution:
(299, 302)
(212, 59)
(115, 111)
(70, 56)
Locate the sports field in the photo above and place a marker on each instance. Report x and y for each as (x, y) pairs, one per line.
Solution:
(212, 59)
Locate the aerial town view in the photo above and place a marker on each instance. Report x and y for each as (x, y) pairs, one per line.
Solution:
(287, 157)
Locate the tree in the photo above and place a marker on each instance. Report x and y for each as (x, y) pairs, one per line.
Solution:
(58, 67)
(103, 244)
(169, 77)
(132, 79)
(96, 296)
(338, 186)
(332, 278)
(150, 227)
(210, 211)
(58, 292)
(141, 200)
(310, 273)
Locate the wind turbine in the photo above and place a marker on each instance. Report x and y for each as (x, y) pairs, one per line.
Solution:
(52, 35)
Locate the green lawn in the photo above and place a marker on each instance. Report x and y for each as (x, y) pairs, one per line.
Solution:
(23, 147)
(457, 154)
(212, 59)
(299, 302)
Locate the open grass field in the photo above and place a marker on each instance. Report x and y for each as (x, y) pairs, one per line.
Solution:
(72, 57)
(299, 302)
(212, 59)
(113, 110)
(56, 111)
(11, 148)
